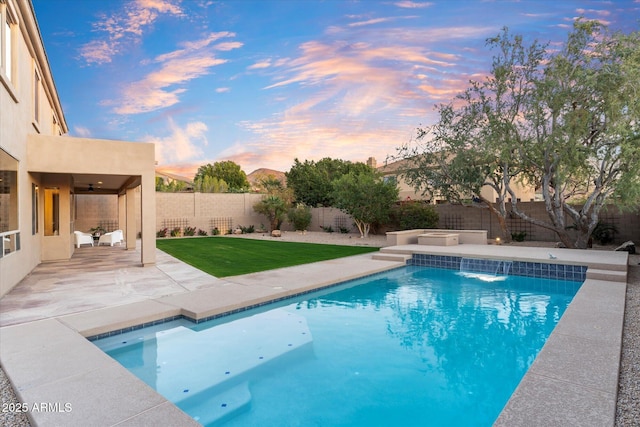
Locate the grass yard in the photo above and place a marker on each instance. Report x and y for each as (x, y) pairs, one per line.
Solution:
(224, 256)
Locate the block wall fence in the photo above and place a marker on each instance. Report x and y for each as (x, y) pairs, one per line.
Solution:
(206, 210)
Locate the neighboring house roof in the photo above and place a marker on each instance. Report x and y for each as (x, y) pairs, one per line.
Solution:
(396, 167)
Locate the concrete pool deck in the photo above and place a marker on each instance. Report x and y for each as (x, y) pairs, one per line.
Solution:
(44, 322)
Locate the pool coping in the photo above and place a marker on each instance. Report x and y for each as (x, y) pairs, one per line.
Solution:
(559, 388)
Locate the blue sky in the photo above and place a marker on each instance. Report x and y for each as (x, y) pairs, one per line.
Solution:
(263, 82)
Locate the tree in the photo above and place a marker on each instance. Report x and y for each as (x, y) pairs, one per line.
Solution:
(270, 185)
(274, 208)
(583, 138)
(173, 186)
(568, 122)
(475, 141)
(311, 181)
(210, 184)
(227, 171)
(366, 197)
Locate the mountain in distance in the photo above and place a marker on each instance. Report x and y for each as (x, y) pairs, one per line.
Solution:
(257, 175)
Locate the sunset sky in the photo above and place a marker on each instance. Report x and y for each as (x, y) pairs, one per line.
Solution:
(261, 82)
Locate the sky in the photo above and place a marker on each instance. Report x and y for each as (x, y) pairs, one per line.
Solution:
(263, 82)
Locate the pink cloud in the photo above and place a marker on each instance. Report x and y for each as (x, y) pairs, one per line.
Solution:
(125, 28)
(182, 144)
(260, 64)
(413, 4)
(369, 22)
(361, 98)
(158, 88)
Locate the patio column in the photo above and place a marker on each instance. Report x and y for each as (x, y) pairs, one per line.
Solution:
(122, 214)
(148, 216)
(130, 218)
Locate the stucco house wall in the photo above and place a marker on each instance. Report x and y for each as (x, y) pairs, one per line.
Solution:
(35, 158)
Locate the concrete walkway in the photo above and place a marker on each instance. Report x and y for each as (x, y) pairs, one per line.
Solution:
(44, 320)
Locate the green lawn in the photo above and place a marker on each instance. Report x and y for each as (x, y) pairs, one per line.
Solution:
(224, 256)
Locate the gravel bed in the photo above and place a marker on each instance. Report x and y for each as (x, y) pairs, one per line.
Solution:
(628, 405)
(9, 418)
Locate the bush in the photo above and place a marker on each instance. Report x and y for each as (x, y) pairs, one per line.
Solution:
(215, 231)
(162, 232)
(247, 230)
(413, 215)
(189, 231)
(604, 233)
(518, 236)
(175, 232)
(201, 232)
(300, 216)
(327, 229)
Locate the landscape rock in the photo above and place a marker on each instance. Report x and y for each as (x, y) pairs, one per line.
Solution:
(627, 246)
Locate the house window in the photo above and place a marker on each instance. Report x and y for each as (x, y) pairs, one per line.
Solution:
(36, 97)
(52, 211)
(8, 23)
(7, 50)
(390, 179)
(9, 233)
(34, 209)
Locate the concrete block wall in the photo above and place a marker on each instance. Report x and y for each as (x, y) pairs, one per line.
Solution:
(478, 217)
(92, 210)
(199, 209)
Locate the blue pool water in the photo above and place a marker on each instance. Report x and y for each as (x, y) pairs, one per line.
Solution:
(413, 347)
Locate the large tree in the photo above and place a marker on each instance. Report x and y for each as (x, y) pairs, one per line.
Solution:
(583, 139)
(311, 181)
(366, 197)
(227, 171)
(566, 121)
(472, 145)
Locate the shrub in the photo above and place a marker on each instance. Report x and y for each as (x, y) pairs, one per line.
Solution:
(604, 233)
(414, 215)
(518, 236)
(300, 216)
(189, 231)
(247, 230)
(328, 228)
(175, 232)
(162, 232)
(201, 232)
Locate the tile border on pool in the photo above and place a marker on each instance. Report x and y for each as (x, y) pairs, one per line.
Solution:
(226, 313)
(577, 273)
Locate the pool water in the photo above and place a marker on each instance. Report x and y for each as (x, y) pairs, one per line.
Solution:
(413, 347)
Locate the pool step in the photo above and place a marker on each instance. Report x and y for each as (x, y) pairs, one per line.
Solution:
(392, 257)
(219, 407)
(609, 275)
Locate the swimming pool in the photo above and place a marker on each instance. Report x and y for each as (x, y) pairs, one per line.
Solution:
(407, 347)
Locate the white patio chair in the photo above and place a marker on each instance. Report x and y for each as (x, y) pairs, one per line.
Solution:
(82, 238)
(111, 238)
